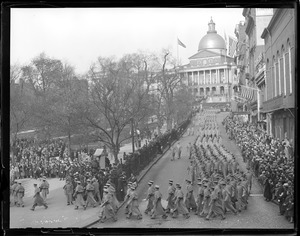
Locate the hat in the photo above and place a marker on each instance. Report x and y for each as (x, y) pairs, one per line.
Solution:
(151, 181)
(156, 186)
(88, 180)
(286, 184)
(129, 184)
(78, 182)
(187, 180)
(105, 190)
(170, 181)
(132, 188)
(199, 183)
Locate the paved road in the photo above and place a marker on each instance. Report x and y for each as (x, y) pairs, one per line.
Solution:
(260, 214)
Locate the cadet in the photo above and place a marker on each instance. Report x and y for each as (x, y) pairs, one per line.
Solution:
(171, 196)
(44, 189)
(69, 192)
(38, 200)
(179, 147)
(127, 196)
(14, 192)
(96, 190)
(107, 208)
(20, 194)
(133, 204)
(180, 208)
(157, 208)
(190, 199)
(200, 198)
(150, 197)
(79, 196)
(90, 194)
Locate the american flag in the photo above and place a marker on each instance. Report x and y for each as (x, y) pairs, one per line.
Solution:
(180, 43)
(231, 46)
(247, 93)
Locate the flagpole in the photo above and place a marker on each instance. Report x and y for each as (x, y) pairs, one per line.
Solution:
(177, 53)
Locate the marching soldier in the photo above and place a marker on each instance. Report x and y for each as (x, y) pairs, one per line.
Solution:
(68, 188)
(150, 197)
(79, 196)
(127, 196)
(133, 205)
(96, 186)
(38, 200)
(14, 192)
(180, 208)
(44, 189)
(189, 199)
(171, 196)
(200, 197)
(157, 208)
(206, 199)
(107, 210)
(20, 191)
(90, 194)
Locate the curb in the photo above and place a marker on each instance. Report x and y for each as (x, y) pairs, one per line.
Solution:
(139, 179)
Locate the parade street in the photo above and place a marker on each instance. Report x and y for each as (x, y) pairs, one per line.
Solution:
(260, 214)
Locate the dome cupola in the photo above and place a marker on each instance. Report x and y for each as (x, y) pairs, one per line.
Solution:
(211, 40)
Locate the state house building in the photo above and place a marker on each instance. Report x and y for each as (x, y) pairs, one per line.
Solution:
(210, 73)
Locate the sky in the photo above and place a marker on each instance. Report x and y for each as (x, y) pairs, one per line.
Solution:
(79, 36)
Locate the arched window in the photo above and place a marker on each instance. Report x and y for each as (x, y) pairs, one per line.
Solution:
(274, 77)
(290, 65)
(267, 92)
(278, 74)
(282, 69)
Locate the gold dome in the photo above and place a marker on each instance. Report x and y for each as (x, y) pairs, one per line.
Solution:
(211, 40)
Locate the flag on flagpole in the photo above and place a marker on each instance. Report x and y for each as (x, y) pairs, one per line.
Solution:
(231, 46)
(180, 43)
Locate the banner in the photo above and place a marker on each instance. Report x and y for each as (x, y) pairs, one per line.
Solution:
(180, 43)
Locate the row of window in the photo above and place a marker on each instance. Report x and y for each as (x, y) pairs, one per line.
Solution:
(279, 73)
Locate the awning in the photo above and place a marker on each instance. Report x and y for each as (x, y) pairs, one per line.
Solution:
(98, 152)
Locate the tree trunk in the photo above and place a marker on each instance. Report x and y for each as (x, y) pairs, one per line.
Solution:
(115, 150)
(169, 122)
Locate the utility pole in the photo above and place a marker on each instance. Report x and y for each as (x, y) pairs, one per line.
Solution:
(132, 135)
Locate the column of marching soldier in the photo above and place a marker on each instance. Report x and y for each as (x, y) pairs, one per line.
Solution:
(222, 187)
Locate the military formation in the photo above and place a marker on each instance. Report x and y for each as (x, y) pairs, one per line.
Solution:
(216, 185)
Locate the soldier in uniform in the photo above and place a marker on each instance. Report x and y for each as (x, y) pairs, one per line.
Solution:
(107, 210)
(189, 198)
(180, 208)
(95, 184)
(127, 196)
(133, 205)
(157, 208)
(79, 196)
(44, 189)
(171, 196)
(90, 194)
(200, 197)
(179, 149)
(215, 204)
(20, 191)
(206, 200)
(38, 200)
(69, 192)
(227, 203)
(14, 193)
(150, 197)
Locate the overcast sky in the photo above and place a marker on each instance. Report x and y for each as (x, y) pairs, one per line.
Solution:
(79, 36)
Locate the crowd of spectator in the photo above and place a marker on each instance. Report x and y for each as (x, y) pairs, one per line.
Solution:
(37, 159)
(270, 159)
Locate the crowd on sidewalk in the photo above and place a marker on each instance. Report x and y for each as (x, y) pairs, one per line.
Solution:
(85, 180)
(271, 160)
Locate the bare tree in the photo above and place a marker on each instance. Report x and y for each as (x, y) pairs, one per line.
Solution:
(118, 94)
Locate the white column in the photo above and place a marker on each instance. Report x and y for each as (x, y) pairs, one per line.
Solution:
(284, 77)
(210, 77)
(279, 82)
(198, 77)
(290, 70)
(193, 82)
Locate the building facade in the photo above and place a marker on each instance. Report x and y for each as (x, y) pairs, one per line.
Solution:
(256, 19)
(279, 103)
(210, 73)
